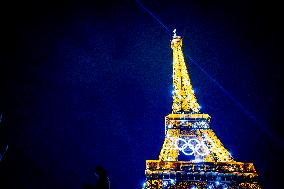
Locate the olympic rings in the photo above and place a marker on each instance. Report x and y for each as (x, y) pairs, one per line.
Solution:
(193, 145)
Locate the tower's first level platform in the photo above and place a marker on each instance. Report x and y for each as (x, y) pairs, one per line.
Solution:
(202, 175)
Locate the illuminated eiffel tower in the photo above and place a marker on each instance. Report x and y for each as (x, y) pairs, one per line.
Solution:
(208, 164)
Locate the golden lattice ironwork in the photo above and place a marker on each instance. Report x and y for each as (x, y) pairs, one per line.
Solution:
(188, 133)
(184, 99)
(192, 126)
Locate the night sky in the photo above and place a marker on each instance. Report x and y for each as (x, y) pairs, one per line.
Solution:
(87, 83)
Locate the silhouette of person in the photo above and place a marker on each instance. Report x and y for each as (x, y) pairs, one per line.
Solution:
(102, 179)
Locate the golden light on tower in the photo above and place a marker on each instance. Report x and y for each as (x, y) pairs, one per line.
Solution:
(184, 99)
(188, 133)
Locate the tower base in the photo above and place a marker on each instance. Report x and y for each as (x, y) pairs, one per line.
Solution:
(200, 175)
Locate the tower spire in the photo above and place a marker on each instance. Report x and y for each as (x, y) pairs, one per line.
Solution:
(184, 100)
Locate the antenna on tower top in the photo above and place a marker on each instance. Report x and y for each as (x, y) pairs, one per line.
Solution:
(175, 34)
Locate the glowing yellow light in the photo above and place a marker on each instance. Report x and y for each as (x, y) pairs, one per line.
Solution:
(187, 124)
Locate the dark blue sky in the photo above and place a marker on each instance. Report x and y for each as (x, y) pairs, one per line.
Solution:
(86, 83)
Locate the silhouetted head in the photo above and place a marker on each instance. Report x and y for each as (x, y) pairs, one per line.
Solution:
(101, 171)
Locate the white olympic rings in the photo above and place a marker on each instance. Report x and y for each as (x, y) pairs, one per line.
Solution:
(193, 145)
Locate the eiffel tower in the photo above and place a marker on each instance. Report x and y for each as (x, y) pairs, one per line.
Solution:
(188, 135)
